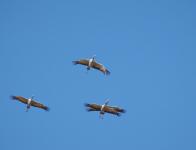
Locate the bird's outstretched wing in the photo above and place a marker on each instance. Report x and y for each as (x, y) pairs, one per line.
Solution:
(111, 110)
(81, 62)
(92, 107)
(39, 105)
(100, 67)
(118, 109)
(20, 98)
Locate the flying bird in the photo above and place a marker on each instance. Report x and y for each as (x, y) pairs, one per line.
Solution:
(91, 63)
(30, 102)
(104, 109)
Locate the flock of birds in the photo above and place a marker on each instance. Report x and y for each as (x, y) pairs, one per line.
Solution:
(102, 109)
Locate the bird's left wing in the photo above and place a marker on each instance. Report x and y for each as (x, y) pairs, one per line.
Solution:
(81, 61)
(20, 98)
(94, 106)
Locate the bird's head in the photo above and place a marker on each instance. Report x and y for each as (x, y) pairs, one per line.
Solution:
(32, 97)
(107, 101)
(94, 57)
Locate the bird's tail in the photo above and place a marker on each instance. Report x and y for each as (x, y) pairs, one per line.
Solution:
(101, 115)
(27, 108)
(88, 68)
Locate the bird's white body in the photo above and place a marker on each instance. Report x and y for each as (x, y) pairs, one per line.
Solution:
(90, 62)
(102, 108)
(29, 103)
(101, 112)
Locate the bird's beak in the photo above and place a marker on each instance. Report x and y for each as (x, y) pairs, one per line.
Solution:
(32, 97)
(107, 101)
(94, 56)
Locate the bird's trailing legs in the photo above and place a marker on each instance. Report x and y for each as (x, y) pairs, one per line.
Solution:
(101, 114)
(87, 70)
(28, 107)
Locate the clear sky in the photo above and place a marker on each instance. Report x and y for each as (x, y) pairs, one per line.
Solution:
(150, 49)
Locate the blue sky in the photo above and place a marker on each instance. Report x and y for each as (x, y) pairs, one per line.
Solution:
(149, 47)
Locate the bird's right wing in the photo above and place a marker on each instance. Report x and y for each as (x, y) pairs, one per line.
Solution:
(20, 98)
(101, 67)
(111, 110)
(81, 61)
(117, 109)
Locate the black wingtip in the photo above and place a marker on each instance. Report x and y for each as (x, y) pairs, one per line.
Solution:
(88, 109)
(123, 111)
(86, 104)
(47, 109)
(75, 62)
(107, 72)
(13, 97)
